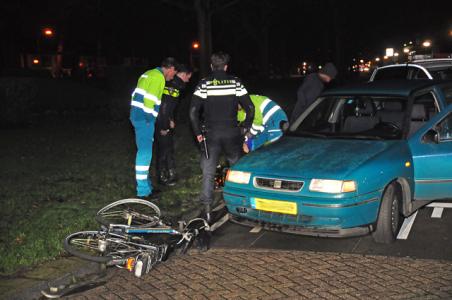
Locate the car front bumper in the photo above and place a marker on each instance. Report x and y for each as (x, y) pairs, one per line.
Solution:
(315, 216)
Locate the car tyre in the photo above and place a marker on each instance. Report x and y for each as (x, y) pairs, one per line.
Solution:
(389, 217)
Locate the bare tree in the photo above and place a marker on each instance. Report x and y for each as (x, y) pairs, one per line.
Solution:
(204, 10)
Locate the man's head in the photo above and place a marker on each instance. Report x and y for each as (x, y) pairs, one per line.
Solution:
(169, 68)
(328, 72)
(219, 61)
(184, 72)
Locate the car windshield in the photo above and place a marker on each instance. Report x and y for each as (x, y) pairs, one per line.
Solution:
(353, 117)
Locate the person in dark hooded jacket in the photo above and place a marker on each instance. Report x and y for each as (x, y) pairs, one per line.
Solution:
(311, 88)
(165, 125)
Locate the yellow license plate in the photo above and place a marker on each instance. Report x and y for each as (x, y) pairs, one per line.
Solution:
(284, 207)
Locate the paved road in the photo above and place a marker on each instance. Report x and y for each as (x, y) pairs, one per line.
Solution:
(269, 265)
(429, 238)
(261, 274)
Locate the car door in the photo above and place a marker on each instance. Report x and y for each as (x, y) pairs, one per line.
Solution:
(431, 147)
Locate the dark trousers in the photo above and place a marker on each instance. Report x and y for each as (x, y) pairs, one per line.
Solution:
(226, 141)
(164, 151)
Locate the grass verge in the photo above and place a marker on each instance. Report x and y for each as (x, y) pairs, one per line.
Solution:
(54, 177)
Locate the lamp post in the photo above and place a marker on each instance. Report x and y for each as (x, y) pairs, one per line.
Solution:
(193, 53)
(46, 32)
(427, 44)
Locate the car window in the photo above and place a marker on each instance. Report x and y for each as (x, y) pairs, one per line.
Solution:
(429, 102)
(354, 117)
(444, 74)
(448, 94)
(391, 73)
(445, 128)
(418, 74)
(424, 108)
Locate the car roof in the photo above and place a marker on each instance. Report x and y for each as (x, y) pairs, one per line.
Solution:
(426, 63)
(434, 63)
(401, 88)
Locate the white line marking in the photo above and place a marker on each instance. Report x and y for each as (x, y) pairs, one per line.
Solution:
(440, 204)
(437, 212)
(406, 227)
(220, 222)
(256, 229)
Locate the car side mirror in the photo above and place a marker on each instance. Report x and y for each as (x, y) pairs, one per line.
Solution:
(284, 125)
(431, 136)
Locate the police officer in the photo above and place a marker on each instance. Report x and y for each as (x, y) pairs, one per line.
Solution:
(146, 99)
(218, 97)
(267, 124)
(165, 125)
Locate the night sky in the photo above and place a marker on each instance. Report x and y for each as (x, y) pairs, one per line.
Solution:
(317, 30)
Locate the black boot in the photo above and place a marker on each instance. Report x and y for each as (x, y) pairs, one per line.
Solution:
(163, 178)
(171, 177)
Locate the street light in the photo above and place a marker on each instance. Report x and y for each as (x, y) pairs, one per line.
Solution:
(47, 32)
(195, 45)
(426, 43)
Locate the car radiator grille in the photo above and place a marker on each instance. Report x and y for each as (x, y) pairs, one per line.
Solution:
(278, 184)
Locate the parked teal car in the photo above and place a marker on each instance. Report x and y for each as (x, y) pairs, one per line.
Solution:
(358, 160)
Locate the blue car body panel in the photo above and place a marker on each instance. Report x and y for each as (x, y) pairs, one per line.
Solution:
(424, 168)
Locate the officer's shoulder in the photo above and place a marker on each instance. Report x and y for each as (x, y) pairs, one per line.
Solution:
(154, 72)
(235, 78)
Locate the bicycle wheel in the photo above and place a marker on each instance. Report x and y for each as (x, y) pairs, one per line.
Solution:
(95, 246)
(132, 212)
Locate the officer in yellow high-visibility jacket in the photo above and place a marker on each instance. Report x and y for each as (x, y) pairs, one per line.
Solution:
(146, 99)
(267, 122)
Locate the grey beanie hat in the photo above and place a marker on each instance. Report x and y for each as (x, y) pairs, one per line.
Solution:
(329, 69)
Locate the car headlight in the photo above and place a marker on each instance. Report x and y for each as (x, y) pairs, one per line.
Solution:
(238, 177)
(332, 186)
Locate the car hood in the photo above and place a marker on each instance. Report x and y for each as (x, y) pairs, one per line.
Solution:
(312, 158)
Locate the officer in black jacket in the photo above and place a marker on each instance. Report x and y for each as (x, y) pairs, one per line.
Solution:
(165, 125)
(218, 96)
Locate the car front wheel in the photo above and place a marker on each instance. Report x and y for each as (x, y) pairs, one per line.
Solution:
(389, 217)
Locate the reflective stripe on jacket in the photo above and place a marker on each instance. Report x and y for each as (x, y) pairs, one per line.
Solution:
(146, 98)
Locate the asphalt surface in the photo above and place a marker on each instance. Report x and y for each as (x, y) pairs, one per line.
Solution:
(273, 265)
(429, 238)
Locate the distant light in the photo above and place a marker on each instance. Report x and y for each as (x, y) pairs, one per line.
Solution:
(426, 44)
(35, 61)
(385, 57)
(377, 59)
(396, 54)
(389, 52)
(406, 50)
(404, 45)
(366, 69)
(411, 43)
(48, 32)
(304, 63)
(195, 45)
(450, 32)
(361, 60)
(81, 65)
(320, 67)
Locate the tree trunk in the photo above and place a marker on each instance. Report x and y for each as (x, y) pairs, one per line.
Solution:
(202, 8)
